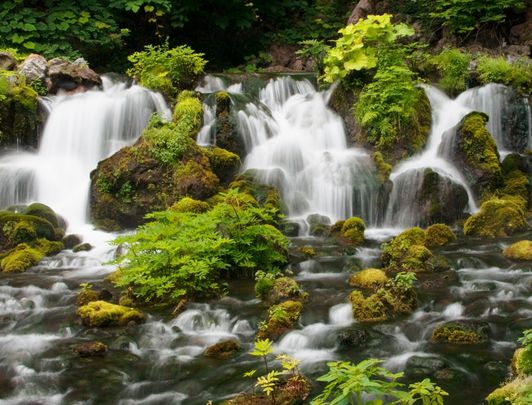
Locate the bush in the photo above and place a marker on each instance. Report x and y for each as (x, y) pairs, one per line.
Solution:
(453, 65)
(167, 70)
(181, 254)
(517, 74)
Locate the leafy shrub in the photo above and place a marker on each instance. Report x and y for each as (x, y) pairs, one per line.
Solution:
(453, 66)
(167, 70)
(498, 70)
(181, 254)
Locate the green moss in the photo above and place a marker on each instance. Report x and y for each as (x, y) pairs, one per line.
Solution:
(281, 318)
(224, 164)
(383, 167)
(522, 361)
(307, 251)
(195, 179)
(86, 295)
(407, 252)
(9, 233)
(169, 143)
(187, 204)
(517, 74)
(189, 112)
(439, 235)
(453, 66)
(521, 250)
(516, 183)
(459, 333)
(497, 217)
(48, 248)
(42, 211)
(22, 232)
(369, 278)
(353, 230)
(516, 392)
(101, 313)
(370, 309)
(20, 259)
(284, 289)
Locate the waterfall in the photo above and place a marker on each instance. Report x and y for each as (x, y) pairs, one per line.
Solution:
(80, 131)
(296, 143)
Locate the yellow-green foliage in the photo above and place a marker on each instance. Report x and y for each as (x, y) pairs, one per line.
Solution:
(478, 145)
(20, 259)
(281, 318)
(439, 235)
(353, 230)
(517, 74)
(497, 217)
(383, 167)
(370, 309)
(453, 65)
(516, 392)
(369, 278)
(47, 247)
(102, 313)
(521, 250)
(522, 360)
(407, 252)
(187, 204)
(189, 110)
(452, 332)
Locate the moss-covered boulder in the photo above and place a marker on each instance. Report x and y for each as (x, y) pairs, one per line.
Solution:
(161, 168)
(227, 136)
(497, 217)
(516, 391)
(281, 318)
(266, 196)
(461, 332)
(224, 164)
(20, 259)
(439, 235)
(19, 113)
(284, 289)
(43, 211)
(82, 247)
(476, 152)
(86, 294)
(187, 204)
(292, 391)
(521, 250)
(353, 231)
(102, 313)
(319, 225)
(369, 278)
(407, 252)
(522, 361)
(222, 350)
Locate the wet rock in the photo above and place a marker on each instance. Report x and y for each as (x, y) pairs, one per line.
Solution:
(461, 332)
(7, 61)
(439, 235)
(71, 76)
(91, 349)
(34, 67)
(227, 136)
(421, 366)
(292, 391)
(352, 231)
(281, 318)
(222, 350)
(290, 229)
(82, 247)
(284, 289)
(352, 337)
(495, 371)
(71, 240)
(319, 225)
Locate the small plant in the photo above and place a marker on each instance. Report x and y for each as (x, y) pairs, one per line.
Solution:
(405, 280)
(453, 65)
(426, 391)
(526, 339)
(314, 49)
(264, 282)
(262, 349)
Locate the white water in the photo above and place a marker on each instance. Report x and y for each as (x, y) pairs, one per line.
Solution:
(80, 131)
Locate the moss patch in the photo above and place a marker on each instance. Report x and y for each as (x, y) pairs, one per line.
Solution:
(521, 250)
(284, 289)
(353, 231)
(101, 313)
(20, 259)
(369, 278)
(460, 333)
(222, 350)
(281, 318)
(439, 235)
(187, 204)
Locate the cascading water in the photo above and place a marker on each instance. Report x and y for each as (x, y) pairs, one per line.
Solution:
(80, 131)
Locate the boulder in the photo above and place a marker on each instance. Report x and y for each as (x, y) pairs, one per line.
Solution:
(369, 278)
(71, 76)
(281, 318)
(90, 349)
(461, 332)
(521, 250)
(439, 235)
(102, 313)
(7, 61)
(352, 337)
(82, 247)
(222, 350)
(34, 67)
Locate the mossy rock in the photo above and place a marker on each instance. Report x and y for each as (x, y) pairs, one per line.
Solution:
(521, 250)
(383, 168)
(370, 309)
(369, 278)
(48, 248)
(353, 230)
(91, 349)
(264, 195)
(189, 111)
(407, 252)
(284, 289)
(17, 228)
(224, 164)
(187, 204)
(82, 247)
(222, 350)
(308, 251)
(461, 332)
(497, 217)
(522, 361)
(44, 212)
(293, 391)
(477, 153)
(20, 259)
(336, 228)
(102, 313)
(516, 391)
(87, 295)
(281, 319)
(439, 235)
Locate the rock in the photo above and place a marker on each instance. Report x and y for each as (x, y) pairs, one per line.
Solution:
(42, 211)
(497, 217)
(222, 350)
(82, 247)
(34, 67)
(290, 229)
(7, 61)
(319, 225)
(522, 33)
(284, 289)
(361, 10)
(521, 250)
(421, 366)
(293, 391)
(352, 337)
(224, 164)
(461, 332)
(407, 252)
(439, 235)
(227, 136)
(342, 101)
(308, 251)
(101, 313)
(353, 231)
(71, 240)
(281, 319)
(20, 259)
(91, 349)
(369, 278)
(71, 77)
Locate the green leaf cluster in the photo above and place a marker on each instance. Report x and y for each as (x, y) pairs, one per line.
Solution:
(453, 65)
(181, 254)
(517, 73)
(167, 70)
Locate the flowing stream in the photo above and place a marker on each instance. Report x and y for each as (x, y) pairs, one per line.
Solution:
(297, 143)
